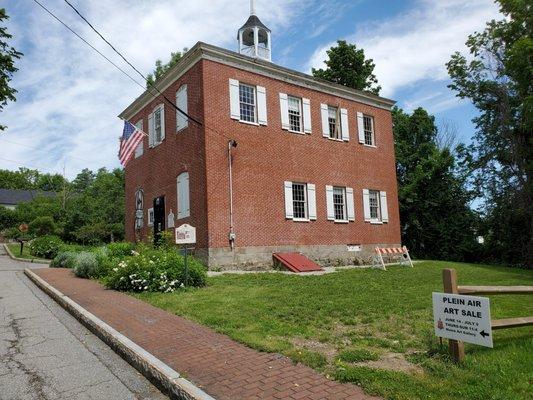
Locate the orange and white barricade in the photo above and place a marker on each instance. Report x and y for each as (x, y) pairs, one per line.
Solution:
(399, 253)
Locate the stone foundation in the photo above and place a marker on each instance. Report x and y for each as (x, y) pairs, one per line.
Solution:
(260, 257)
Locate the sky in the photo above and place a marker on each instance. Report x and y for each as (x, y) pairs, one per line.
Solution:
(65, 117)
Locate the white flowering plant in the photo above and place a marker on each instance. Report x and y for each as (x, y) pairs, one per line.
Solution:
(154, 270)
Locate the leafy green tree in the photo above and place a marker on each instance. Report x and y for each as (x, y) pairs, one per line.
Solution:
(8, 55)
(31, 179)
(498, 78)
(42, 226)
(346, 65)
(436, 219)
(161, 68)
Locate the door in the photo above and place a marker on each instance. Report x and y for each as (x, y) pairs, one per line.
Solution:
(159, 218)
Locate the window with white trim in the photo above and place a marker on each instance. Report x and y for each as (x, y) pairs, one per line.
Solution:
(339, 203)
(158, 125)
(333, 122)
(248, 102)
(299, 200)
(375, 209)
(151, 216)
(368, 123)
(181, 101)
(139, 150)
(295, 114)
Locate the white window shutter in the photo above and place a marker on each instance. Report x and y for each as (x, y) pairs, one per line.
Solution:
(311, 201)
(366, 204)
(151, 131)
(162, 122)
(325, 122)
(361, 127)
(235, 110)
(181, 101)
(384, 208)
(261, 105)
(284, 108)
(289, 214)
(350, 206)
(329, 203)
(306, 105)
(345, 126)
(183, 195)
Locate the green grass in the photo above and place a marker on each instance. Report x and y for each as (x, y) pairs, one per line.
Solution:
(334, 321)
(15, 250)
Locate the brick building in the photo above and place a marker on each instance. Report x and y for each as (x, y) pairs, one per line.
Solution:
(280, 161)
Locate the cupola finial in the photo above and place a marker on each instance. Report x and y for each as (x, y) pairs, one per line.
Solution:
(252, 7)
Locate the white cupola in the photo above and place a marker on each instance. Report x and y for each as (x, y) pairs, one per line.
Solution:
(254, 37)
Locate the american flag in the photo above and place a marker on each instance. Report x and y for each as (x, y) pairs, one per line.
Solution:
(131, 137)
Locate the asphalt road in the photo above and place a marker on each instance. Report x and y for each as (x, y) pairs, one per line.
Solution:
(45, 354)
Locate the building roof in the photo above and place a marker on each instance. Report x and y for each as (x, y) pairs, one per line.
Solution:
(17, 196)
(255, 65)
(253, 20)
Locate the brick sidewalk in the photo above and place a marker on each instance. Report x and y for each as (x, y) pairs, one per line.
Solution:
(218, 365)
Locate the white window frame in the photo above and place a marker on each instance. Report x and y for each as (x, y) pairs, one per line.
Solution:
(344, 204)
(152, 127)
(337, 133)
(374, 195)
(305, 201)
(139, 150)
(372, 131)
(150, 214)
(182, 121)
(254, 105)
(299, 116)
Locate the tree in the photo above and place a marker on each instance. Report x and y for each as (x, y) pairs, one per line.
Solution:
(31, 179)
(498, 79)
(346, 65)
(161, 68)
(437, 221)
(8, 55)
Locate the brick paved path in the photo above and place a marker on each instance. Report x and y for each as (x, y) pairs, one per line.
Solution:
(220, 366)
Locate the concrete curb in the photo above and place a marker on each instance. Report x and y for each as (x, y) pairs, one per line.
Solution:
(28, 260)
(160, 374)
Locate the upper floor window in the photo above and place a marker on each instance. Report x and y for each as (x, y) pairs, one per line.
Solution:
(295, 114)
(181, 101)
(333, 123)
(156, 126)
(368, 124)
(139, 150)
(247, 102)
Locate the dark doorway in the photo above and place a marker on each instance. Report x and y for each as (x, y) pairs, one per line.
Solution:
(159, 218)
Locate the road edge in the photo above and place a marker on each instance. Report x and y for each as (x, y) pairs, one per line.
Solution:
(28, 260)
(155, 370)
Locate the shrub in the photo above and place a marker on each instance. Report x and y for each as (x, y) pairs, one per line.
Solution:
(120, 249)
(86, 265)
(46, 246)
(155, 271)
(42, 226)
(65, 259)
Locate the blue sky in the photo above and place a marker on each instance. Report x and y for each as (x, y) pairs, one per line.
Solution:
(65, 118)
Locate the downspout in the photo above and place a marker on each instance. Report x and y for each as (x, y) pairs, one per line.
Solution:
(232, 143)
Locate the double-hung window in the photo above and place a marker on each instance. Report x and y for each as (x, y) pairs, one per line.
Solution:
(368, 123)
(333, 122)
(299, 200)
(295, 114)
(339, 203)
(158, 126)
(247, 101)
(375, 209)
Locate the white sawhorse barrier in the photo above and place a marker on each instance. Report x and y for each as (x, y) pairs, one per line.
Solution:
(400, 253)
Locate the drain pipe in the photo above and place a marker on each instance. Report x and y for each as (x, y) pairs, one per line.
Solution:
(232, 143)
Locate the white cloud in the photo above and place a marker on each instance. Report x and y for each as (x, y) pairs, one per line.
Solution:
(69, 97)
(414, 46)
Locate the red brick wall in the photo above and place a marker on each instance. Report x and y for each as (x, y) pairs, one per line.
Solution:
(157, 169)
(267, 156)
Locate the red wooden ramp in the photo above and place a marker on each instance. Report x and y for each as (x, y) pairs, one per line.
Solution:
(296, 262)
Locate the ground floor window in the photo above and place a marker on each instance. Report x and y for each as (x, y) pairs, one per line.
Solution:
(299, 200)
(339, 203)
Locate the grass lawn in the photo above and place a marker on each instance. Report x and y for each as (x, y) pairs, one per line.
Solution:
(370, 327)
(15, 250)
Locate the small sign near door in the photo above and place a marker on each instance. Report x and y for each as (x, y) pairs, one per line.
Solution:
(185, 234)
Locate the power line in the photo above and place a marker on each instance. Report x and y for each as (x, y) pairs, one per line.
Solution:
(131, 65)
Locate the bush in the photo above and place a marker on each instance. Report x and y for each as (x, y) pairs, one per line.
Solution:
(155, 271)
(86, 265)
(120, 249)
(65, 259)
(42, 226)
(46, 246)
